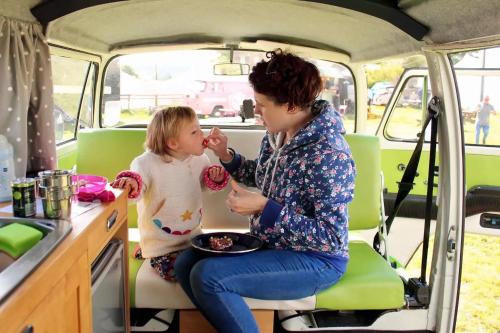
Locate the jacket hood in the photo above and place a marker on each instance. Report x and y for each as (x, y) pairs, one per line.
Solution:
(326, 125)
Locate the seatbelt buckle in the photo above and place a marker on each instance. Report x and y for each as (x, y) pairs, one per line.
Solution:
(434, 107)
(405, 186)
(419, 290)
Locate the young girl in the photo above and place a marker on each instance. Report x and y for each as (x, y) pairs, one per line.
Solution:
(167, 180)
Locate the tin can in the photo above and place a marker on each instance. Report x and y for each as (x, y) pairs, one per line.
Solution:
(23, 197)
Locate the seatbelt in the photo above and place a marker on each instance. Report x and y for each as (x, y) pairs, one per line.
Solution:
(406, 183)
(418, 285)
(435, 108)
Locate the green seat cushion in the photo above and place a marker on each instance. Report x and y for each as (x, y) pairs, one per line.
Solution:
(16, 239)
(369, 283)
(133, 268)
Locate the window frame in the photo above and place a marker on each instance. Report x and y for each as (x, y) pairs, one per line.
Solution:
(392, 104)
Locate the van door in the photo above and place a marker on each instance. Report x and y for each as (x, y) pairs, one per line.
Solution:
(477, 75)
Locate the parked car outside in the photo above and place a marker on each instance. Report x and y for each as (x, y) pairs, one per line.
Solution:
(382, 96)
(380, 93)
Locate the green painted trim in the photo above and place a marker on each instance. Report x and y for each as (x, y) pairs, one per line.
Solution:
(479, 170)
(390, 160)
(482, 170)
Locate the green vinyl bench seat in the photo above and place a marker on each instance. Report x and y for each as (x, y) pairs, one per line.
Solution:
(369, 283)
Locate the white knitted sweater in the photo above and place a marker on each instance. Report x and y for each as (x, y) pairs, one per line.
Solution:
(170, 204)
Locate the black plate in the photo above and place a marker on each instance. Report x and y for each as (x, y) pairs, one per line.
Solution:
(242, 243)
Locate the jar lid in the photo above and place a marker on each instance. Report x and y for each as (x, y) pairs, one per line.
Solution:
(52, 173)
(23, 182)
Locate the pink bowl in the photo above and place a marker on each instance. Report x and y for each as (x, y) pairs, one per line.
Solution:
(91, 183)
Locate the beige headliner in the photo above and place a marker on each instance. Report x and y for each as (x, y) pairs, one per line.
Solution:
(117, 26)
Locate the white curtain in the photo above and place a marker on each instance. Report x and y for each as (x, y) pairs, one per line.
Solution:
(26, 101)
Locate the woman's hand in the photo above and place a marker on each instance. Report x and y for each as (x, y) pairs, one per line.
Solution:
(126, 182)
(245, 202)
(217, 142)
(216, 174)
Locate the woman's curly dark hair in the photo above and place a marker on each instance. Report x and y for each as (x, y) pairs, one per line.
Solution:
(286, 78)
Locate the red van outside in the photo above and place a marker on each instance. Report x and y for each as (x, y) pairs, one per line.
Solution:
(221, 98)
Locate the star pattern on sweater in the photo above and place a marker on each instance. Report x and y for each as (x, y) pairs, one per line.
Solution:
(187, 215)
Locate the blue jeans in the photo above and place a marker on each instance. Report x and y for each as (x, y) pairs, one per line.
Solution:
(217, 285)
(486, 130)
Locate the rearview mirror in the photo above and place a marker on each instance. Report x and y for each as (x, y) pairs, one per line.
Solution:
(231, 69)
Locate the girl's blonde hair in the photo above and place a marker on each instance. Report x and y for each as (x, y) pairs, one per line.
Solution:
(166, 124)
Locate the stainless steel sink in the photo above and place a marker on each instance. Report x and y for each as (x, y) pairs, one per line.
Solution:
(54, 231)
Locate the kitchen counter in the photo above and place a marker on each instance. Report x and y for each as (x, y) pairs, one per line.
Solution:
(56, 297)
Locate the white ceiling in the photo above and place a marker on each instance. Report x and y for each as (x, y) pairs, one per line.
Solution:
(106, 27)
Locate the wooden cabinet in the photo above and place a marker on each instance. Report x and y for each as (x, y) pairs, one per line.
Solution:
(192, 321)
(57, 296)
(66, 307)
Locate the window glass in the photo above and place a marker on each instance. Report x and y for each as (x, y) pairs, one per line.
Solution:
(70, 82)
(381, 79)
(136, 86)
(410, 109)
(478, 78)
(338, 89)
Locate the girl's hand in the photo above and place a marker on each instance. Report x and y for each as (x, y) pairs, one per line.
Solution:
(245, 202)
(217, 142)
(126, 182)
(216, 174)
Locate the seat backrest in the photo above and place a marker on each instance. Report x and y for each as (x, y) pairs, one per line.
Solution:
(106, 152)
(365, 208)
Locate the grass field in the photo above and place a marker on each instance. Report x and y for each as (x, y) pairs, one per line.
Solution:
(480, 286)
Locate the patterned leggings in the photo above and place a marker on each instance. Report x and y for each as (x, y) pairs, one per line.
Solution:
(163, 265)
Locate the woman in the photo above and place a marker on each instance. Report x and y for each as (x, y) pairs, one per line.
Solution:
(305, 173)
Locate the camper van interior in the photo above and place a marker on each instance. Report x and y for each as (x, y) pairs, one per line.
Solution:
(81, 80)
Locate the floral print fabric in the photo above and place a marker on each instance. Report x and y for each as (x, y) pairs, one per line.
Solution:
(163, 265)
(311, 178)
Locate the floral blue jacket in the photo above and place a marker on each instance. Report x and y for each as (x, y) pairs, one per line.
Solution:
(309, 182)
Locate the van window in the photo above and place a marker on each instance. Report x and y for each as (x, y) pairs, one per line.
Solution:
(381, 78)
(73, 81)
(478, 78)
(137, 85)
(409, 112)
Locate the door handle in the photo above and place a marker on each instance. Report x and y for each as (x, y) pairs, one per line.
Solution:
(111, 219)
(28, 329)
